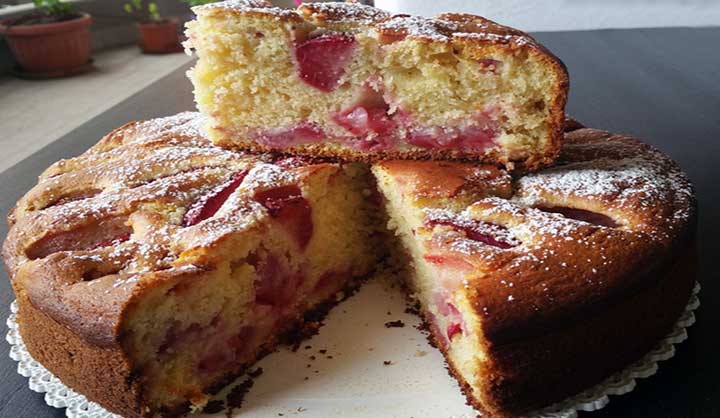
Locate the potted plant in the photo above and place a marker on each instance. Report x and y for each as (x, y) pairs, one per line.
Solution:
(158, 35)
(53, 40)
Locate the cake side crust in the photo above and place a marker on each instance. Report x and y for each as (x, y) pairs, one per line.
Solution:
(529, 374)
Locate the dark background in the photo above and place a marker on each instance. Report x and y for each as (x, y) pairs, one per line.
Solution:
(662, 85)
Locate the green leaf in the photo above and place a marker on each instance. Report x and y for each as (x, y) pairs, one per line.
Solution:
(128, 8)
(53, 7)
(154, 12)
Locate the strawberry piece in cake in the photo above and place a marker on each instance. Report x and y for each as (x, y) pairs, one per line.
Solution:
(456, 86)
(322, 60)
(288, 207)
(209, 204)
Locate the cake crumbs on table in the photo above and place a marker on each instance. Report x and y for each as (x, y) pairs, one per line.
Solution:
(256, 373)
(236, 397)
(214, 406)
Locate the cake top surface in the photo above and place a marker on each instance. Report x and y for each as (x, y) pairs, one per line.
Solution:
(151, 200)
(538, 246)
(442, 28)
(343, 12)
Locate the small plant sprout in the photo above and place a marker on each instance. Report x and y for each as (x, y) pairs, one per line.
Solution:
(55, 8)
(143, 13)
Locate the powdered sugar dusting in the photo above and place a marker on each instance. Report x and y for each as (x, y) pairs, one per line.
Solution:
(622, 176)
(337, 11)
(643, 191)
(264, 176)
(144, 176)
(419, 27)
(254, 6)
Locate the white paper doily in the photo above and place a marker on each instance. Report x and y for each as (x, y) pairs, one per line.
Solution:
(77, 406)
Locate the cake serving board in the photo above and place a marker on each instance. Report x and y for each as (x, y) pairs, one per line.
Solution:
(357, 366)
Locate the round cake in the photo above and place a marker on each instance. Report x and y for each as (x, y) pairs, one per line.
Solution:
(156, 267)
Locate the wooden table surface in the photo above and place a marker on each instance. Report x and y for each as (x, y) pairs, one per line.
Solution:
(662, 85)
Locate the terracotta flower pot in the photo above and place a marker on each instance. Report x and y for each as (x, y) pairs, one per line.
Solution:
(51, 48)
(160, 38)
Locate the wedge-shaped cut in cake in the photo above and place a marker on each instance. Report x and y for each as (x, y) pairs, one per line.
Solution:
(155, 267)
(351, 81)
(538, 287)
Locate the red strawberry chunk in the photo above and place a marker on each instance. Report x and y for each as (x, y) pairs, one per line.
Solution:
(581, 215)
(453, 329)
(209, 204)
(227, 353)
(240, 341)
(113, 241)
(175, 335)
(476, 138)
(363, 120)
(275, 285)
(303, 133)
(321, 61)
(489, 238)
(355, 120)
(491, 65)
(291, 210)
(214, 362)
(485, 232)
(479, 135)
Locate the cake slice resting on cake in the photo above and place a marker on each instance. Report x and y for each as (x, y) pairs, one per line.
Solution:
(351, 81)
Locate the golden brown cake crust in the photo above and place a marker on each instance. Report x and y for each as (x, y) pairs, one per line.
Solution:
(533, 373)
(76, 361)
(578, 264)
(569, 300)
(76, 270)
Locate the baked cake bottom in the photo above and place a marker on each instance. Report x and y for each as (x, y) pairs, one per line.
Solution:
(326, 344)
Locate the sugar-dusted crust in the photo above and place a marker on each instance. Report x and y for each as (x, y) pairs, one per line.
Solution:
(472, 37)
(78, 292)
(537, 372)
(567, 302)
